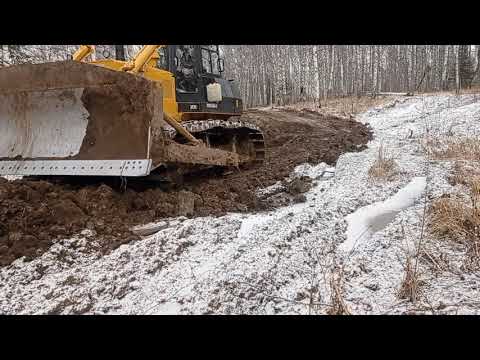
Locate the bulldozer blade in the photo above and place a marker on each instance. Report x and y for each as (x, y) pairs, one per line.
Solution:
(45, 124)
(73, 118)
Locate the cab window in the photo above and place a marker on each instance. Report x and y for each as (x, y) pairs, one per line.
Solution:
(207, 66)
(210, 59)
(162, 62)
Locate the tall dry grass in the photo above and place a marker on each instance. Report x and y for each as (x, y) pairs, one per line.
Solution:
(452, 217)
(384, 168)
(411, 283)
(453, 148)
(338, 306)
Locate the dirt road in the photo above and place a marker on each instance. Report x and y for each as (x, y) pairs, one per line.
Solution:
(35, 213)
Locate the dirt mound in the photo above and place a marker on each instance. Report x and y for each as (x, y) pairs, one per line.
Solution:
(295, 137)
(33, 213)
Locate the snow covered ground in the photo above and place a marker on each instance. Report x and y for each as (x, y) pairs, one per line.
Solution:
(351, 233)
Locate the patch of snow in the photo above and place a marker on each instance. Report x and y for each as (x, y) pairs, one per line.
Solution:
(12, 177)
(317, 172)
(169, 308)
(369, 219)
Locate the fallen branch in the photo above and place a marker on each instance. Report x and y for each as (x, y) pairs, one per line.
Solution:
(392, 94)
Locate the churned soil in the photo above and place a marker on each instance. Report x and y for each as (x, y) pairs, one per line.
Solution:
(33, 213)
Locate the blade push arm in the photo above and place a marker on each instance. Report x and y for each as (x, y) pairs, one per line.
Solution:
(134, 66)
(141, 58)
(82, 52)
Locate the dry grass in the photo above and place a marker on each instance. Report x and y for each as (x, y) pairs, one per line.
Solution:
(384, 168)
(337, 302)
(410, 287)
(465, 173)
(353, 104)
(343, 106)
(473, 90)
(453, 218)
(412, 282)
(453, 148)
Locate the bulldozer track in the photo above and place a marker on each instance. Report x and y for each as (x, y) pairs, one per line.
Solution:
(255, 133)
(203, 125)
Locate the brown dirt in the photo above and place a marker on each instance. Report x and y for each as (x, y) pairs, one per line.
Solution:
(33, 213)
(108, 140)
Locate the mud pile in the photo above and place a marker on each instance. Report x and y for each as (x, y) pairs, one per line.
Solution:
(295, 137)
(33, 213)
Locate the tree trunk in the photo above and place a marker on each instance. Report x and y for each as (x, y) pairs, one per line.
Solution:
(445, 68)
(332, 62)
(477, 69)
(342, 88)
(317, 74)
(457, 71)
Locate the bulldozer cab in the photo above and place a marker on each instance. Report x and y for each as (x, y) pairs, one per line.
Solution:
(195, 67)
(196, 70)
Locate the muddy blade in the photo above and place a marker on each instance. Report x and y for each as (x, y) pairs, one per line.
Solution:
(67, 112)
(46, 124)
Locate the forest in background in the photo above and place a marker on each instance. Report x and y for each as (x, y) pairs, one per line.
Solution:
(283, 74)
(286, 74)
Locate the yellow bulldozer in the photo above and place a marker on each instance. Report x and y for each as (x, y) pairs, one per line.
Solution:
(167, 110)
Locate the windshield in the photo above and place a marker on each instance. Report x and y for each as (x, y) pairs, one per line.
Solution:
(210, 59)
